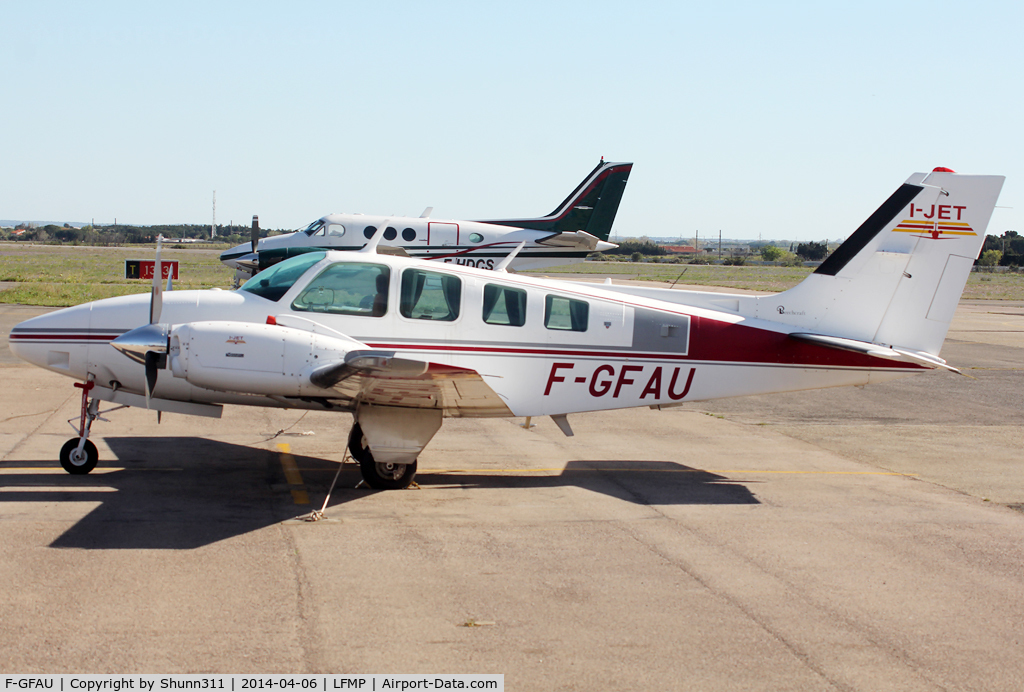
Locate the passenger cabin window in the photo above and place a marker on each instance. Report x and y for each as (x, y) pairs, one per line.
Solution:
(347, 288)
(566, 314)
(430, 295)
(475, 238)
(274, 282)
(504, 305)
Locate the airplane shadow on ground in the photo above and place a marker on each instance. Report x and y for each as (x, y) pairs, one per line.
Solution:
(185, 493)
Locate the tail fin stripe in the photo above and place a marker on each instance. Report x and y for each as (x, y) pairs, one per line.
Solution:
(572, 195)
(882, 217)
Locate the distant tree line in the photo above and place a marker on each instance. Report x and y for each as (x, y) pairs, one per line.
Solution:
(644, 246)
(1006, 250)
(123, 234)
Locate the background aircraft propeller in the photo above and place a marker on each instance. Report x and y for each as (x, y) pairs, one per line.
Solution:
(255, 232)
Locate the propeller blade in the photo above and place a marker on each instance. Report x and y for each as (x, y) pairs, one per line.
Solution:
(152, 363)
(255, 232)
(156, 302)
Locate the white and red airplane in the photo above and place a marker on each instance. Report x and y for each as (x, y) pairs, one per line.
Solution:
(401, 343)
(577, 227)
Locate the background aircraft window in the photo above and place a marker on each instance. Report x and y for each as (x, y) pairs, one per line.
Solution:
(274, 282)
(347, 288)
(408, 235)
(369, 231)
(566, 313)
(314, 227)
(336, 230)
(504, 305)
(390, 233)
(475, 238)
(430, 295)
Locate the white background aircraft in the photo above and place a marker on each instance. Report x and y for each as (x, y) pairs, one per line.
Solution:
(401, 343)
(578, 226)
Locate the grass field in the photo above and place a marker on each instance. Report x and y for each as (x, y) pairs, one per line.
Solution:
(61, 275)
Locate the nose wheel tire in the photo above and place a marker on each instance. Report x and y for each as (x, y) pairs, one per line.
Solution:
(75, 462)
(378, 475)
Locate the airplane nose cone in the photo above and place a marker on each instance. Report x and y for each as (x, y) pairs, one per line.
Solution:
(239, 252)
(150, 338)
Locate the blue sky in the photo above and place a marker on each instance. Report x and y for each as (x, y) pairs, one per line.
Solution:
(788, 120)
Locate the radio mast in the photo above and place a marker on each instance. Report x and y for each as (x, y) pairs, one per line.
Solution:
(213, 224)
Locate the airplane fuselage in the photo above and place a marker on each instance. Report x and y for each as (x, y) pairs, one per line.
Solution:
(466, 243)
(543, 347)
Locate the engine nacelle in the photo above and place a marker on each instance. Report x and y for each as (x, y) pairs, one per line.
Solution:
(250, 358)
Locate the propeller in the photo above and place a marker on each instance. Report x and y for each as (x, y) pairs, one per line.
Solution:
(255, 232)
(149, 343)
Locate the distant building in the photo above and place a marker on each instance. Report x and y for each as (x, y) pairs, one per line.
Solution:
(728, 249)
(681, 250)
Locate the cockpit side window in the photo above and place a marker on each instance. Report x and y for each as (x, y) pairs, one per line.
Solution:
(347, 288)
(274, 282)
(312, 228)
(335, 230)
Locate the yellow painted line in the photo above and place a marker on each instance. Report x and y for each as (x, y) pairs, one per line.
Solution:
(292, 475)
(635, 470)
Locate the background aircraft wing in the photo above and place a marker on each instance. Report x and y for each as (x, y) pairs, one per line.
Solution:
(379, 378)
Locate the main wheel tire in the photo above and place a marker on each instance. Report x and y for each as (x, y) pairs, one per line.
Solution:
(75, 462)
(357, 446)
(379, 476)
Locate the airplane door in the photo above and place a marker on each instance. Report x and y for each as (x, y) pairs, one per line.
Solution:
(442, 233)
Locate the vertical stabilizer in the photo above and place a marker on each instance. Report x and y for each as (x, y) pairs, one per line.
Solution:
(591, 207)
(898, 278)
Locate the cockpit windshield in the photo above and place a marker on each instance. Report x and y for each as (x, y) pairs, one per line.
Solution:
(274, 282)
(314, 227)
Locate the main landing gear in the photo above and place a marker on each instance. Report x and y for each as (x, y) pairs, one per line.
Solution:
(78, 456)
(387, 441)
(378, 475)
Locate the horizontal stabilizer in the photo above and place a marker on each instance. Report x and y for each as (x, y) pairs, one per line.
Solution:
(877, 350)
(579, 239)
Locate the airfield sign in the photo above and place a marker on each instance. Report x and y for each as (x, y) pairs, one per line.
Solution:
(143, 269)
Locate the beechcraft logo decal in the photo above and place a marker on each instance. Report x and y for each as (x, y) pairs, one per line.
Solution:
(938, 222)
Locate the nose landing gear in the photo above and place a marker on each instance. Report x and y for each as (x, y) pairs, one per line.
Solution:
(78, 456)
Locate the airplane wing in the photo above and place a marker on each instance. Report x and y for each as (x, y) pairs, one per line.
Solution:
(379, 378)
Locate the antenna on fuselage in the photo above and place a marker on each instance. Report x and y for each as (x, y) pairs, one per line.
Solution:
(371, 246)
(503, 264)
